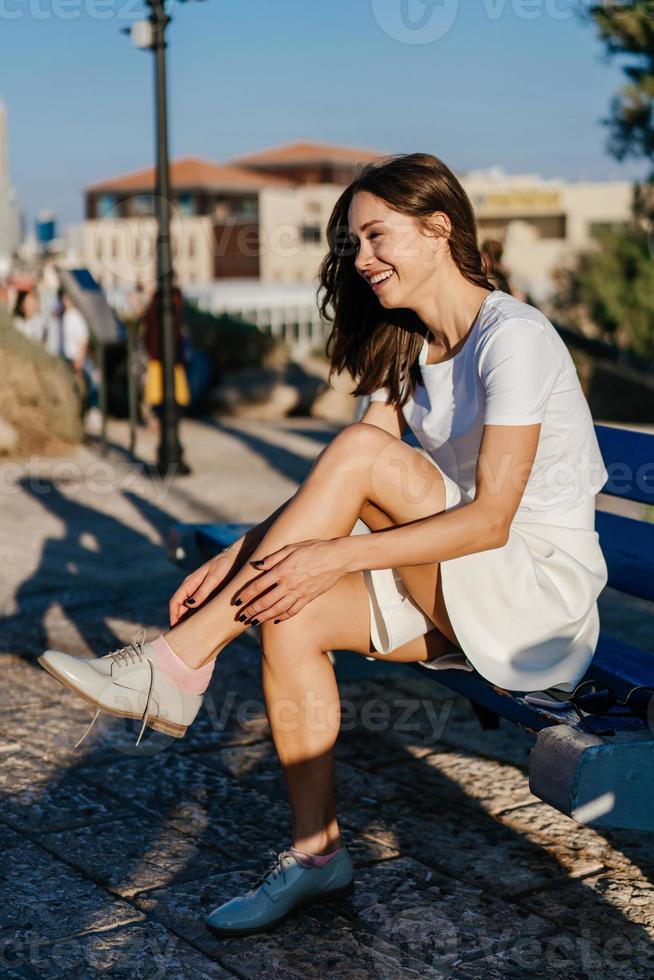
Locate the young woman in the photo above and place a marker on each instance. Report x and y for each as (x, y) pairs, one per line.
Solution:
(479, 549)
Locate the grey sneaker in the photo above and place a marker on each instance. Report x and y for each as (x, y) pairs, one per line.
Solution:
(281, 890)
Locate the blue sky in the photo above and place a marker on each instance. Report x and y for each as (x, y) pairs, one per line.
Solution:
(521, 84)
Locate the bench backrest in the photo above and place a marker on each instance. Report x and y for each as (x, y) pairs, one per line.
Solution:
(628, 543)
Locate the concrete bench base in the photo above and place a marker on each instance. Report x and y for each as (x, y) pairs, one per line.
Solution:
(600, 782)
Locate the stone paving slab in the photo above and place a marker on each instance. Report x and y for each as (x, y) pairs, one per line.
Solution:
(474, 848)
(633, 853)
(317, 942)
(145, 951)
(435, 918)
(135, 853)
(39, 796)
(594, 917)
(43, 899)
(430, 713)
(551, 957)
(438, 776)
(199, 801)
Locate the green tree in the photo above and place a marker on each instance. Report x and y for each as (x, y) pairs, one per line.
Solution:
(627, 30)
(613, 284)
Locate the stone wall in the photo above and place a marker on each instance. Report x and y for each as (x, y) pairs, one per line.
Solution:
(39, 403)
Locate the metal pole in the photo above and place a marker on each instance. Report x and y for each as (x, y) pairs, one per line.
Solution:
(170, 451)
(103, 397)
(132, 394)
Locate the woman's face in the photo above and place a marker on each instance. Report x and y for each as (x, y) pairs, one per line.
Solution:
(30, 305)
(393, 254)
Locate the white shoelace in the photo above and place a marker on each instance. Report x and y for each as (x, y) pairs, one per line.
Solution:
(124, 657)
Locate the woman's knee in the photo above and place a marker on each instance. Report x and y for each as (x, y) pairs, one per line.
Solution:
(338, 619)
(359, 442)
(293, 637)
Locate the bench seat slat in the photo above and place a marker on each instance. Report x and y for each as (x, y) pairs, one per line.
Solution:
(628, 548)
(514, 708)
(621, 666)
(212, 538)
(629, 458)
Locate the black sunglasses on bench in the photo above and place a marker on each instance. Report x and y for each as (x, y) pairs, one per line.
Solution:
(589, 698)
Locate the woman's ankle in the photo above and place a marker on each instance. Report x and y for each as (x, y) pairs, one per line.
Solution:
(192, 680)
(317, 846)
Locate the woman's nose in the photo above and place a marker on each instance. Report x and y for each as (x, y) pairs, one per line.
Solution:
(362, 260)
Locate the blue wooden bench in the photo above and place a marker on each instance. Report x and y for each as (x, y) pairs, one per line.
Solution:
(603, 782)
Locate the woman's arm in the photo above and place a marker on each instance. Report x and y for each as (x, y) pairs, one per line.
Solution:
(218, 571)
(506, 456)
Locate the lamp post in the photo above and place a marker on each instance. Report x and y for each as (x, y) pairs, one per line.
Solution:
(152, 34)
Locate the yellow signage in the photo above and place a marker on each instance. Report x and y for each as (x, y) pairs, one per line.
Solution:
(519, 200)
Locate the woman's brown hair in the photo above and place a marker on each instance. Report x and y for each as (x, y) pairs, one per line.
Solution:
(374, 344)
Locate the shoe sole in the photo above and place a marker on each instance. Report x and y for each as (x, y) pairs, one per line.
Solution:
(328, 896)
(152, 721)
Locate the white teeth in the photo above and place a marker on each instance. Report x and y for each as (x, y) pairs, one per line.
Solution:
(381, 277)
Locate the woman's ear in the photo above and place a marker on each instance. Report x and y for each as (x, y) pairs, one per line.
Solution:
(439, 227)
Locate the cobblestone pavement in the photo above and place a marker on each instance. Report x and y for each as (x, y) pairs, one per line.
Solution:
(113, 855)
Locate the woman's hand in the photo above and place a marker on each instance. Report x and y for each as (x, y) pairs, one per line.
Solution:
(292, 577)
(199, 585)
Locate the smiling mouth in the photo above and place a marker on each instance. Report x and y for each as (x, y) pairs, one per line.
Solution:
(378, 283)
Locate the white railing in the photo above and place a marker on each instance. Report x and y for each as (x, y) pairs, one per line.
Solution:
(285, 310)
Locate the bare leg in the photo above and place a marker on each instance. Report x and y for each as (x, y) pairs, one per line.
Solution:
(302, 698)
(303, 703)
(363, 463)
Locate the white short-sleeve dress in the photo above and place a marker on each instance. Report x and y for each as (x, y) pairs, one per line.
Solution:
(525, 614)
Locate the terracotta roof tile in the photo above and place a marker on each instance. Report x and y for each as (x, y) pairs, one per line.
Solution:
(305, 152)
(192, 172)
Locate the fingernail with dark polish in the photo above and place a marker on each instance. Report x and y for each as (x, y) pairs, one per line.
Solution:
(189, 602)
(255, 622)
(242, 617)
(276, 620)
(237, 602)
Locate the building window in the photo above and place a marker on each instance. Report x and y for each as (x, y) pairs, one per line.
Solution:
(186, 204)
(141, 204)
(248, 207)
(310, 233)
(550, 226)
(105, 205)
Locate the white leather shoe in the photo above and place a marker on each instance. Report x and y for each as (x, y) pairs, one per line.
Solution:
(127, 683)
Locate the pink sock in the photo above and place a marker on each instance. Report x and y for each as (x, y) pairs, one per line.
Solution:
(314, 859)
(193, 680)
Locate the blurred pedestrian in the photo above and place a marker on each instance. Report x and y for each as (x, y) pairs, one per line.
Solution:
(492, 252)
(28, 317)
(153, 390)
(68, 338)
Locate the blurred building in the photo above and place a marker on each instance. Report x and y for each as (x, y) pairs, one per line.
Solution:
(10, 229)
(543, 223)
(261, 216)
